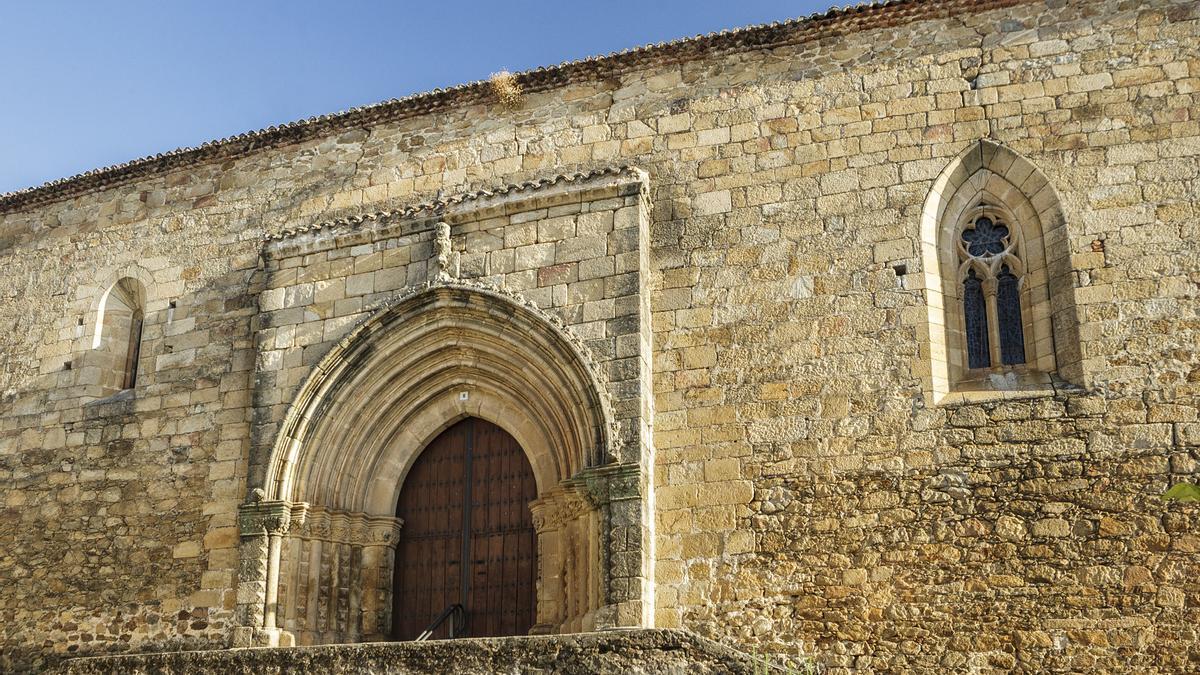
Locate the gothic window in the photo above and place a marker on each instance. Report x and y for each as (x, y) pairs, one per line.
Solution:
(989, 270)
(976, 315)
(998, 280)
(1008, 316)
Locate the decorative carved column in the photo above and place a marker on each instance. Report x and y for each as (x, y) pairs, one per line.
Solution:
(617, 491)
(342, 576)
(549, 579)
(262, 525)
(381, 534)
(568, 570)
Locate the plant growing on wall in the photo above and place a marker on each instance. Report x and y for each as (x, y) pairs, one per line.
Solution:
(507, 89)
(1183, 492)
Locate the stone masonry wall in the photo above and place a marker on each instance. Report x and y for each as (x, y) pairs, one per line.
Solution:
(636, 652)
(808, 498)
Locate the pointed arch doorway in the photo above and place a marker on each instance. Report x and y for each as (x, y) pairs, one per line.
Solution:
(468, 537)
(319, 532)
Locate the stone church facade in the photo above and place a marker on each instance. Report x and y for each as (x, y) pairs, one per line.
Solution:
(871, 336)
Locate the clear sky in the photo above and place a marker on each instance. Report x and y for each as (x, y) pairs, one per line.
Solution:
(87, 84)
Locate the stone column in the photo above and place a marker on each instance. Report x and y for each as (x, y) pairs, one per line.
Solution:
(617, 492)
(568, 573)
(549, 580)
(262, 525)
(990, 288)
(382, 533)
(274, 540)
(345, 580)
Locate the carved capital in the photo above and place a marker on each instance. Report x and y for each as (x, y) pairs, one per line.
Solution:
(612, 482)
(559, 507)
(269, 517)
(541, 510)
(384, 530)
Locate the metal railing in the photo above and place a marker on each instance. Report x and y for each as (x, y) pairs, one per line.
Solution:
(456, 625)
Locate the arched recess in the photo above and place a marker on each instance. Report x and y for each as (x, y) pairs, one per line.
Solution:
(321, 569)
(118, 320)
(992, 181)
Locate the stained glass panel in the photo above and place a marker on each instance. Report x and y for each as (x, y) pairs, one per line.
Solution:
(1008, 315)
(978, 354)
(987, 238)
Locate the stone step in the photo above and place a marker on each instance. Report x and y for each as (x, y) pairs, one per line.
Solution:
(633, 651)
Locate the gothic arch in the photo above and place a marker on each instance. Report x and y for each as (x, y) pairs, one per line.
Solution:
(357, 424)
(990, 179)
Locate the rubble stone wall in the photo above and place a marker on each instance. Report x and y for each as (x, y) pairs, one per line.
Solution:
(634, 652)
(810, 497)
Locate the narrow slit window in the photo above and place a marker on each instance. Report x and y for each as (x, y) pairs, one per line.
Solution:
(133, 351)
(120, 323)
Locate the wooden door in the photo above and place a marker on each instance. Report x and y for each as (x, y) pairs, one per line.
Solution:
(468, 535)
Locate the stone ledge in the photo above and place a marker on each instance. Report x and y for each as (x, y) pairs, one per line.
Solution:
(619, 651)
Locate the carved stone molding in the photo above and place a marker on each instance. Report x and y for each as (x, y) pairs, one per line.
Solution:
(355, 529)
(560, 328)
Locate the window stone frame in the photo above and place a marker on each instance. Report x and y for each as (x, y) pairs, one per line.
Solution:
(990, 178)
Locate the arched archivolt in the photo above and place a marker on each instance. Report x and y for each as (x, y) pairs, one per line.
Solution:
(416, 367)
(988, 177)
(371, 406)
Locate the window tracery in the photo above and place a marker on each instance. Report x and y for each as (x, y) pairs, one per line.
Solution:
(991, 276)
(999, 282)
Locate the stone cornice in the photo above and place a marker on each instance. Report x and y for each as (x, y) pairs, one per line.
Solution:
(830, 24)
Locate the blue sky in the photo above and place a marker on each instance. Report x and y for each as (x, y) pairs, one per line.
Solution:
(89, 84)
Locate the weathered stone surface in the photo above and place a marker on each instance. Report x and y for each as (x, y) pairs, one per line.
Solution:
(638, 652)
(809, 495)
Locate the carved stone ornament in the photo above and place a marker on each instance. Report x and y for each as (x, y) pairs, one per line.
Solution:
(607, 444)
(446, 259)
(356, 529)
(265, 518)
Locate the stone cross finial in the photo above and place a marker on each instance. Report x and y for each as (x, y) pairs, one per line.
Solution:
(445, 258)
